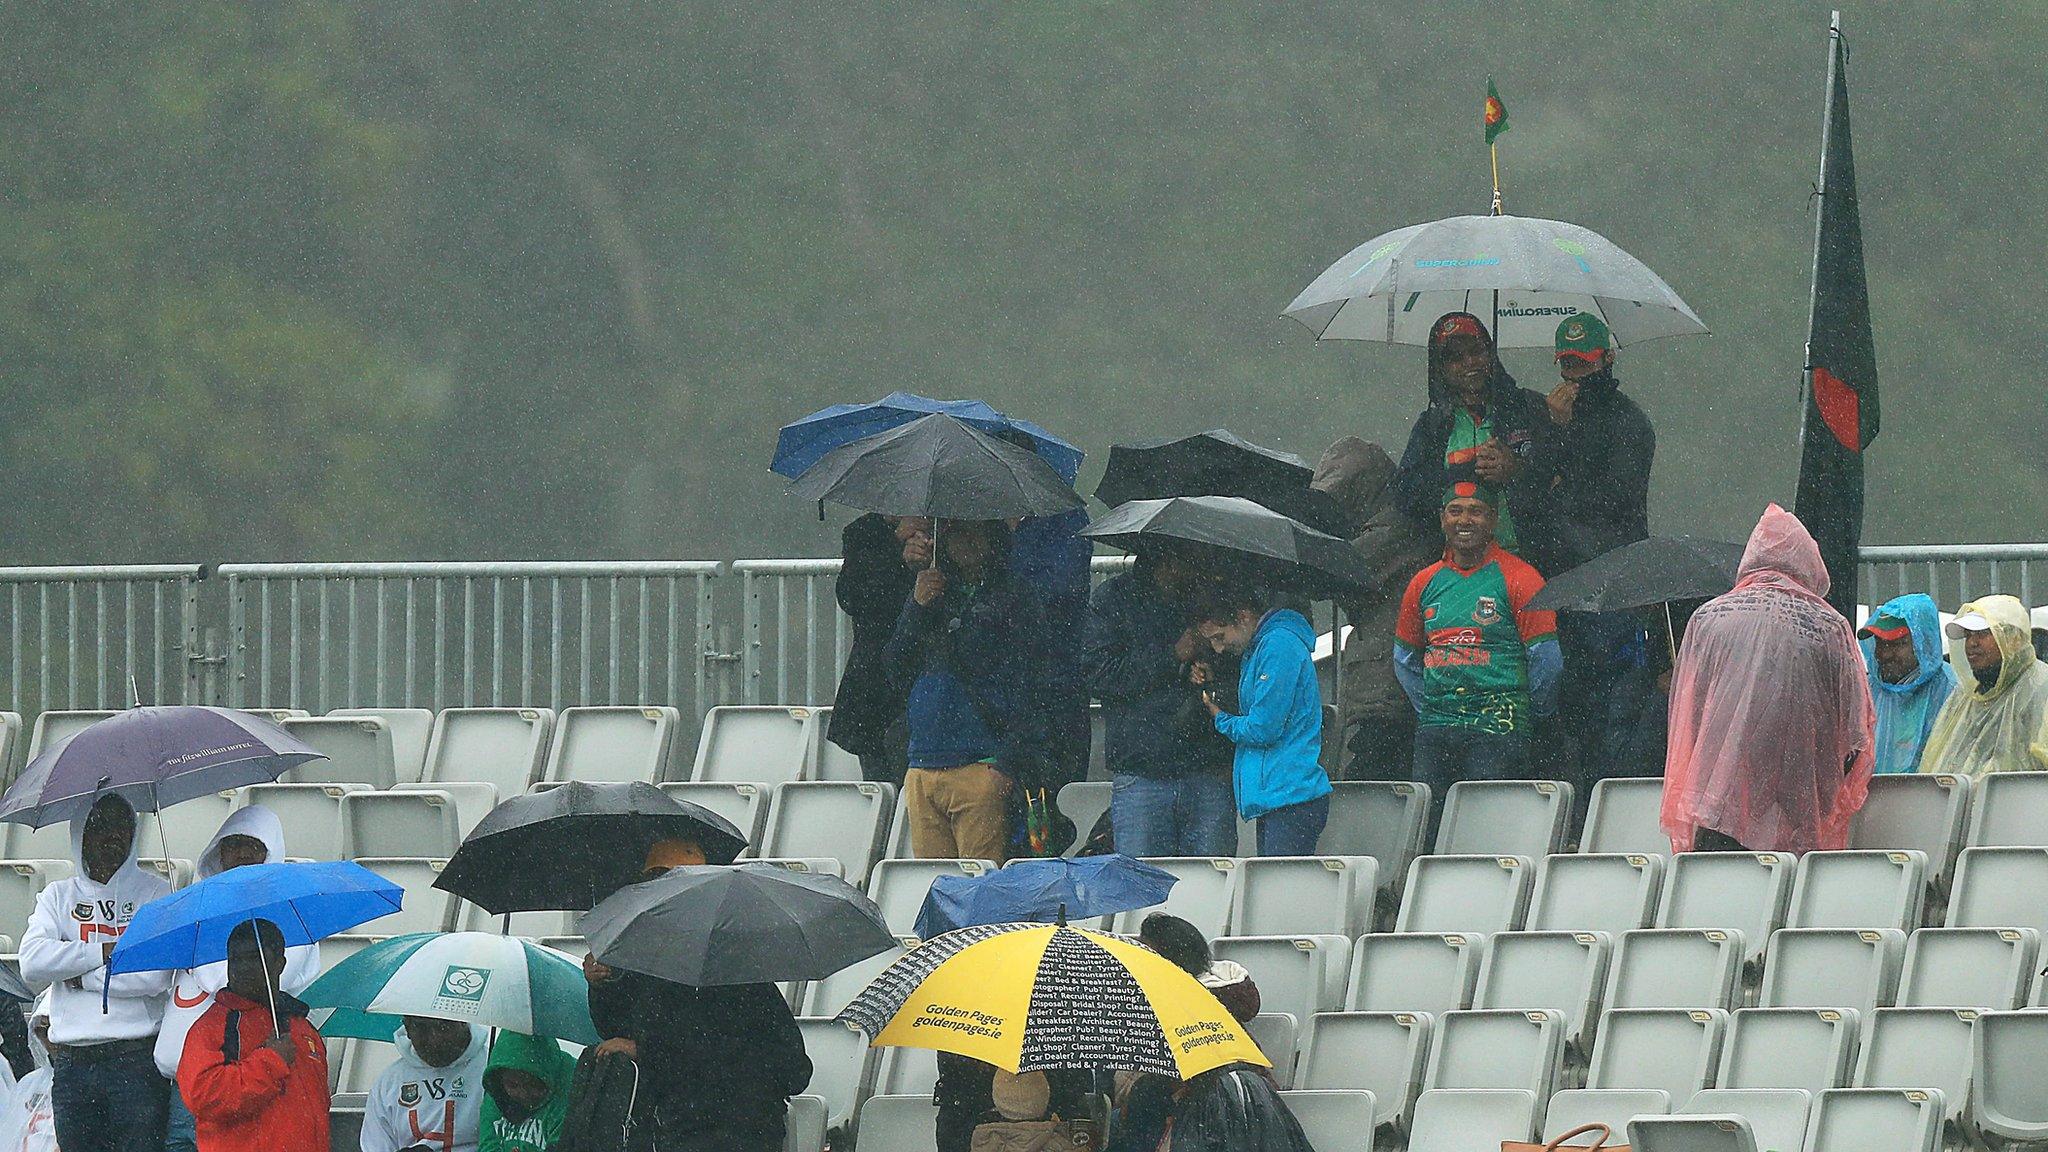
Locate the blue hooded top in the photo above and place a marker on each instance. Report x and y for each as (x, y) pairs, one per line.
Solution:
(1906, 711)
(1279, 736)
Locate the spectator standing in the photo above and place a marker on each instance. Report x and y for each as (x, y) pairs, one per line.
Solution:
(1997, 719)
(968, 652)
(432, 1095)
(1909, 680)
(1276, 770)
(1170, 791)
(874, 580)
(1772, 726)
(254, 1068)
(1478, 664)
(105, 1086)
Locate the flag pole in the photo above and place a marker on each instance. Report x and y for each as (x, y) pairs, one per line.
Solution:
(1493, 150)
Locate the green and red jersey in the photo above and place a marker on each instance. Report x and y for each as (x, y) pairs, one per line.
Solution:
(1461, 450)
(1473, 630)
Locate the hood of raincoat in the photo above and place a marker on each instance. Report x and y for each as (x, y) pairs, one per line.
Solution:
(506, 1125)
(127, 867)
(2003, 728)
(1781, 554)
(256, 821)
(1923, 622)
(1906, 711)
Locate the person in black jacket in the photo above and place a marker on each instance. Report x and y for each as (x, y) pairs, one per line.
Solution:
(1169, 769)
(874, 581)
(717, 1065)
(1602, 445)
(1480, 422)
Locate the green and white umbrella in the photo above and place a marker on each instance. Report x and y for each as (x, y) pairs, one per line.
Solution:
(479, 978)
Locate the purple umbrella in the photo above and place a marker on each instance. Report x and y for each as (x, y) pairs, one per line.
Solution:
(153, 758)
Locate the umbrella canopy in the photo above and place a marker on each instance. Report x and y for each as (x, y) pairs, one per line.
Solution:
(1263, 545)
(938, 466)
(1034, 996)
(307, 902)
(480, 978)
(152, 758)
(805, 442)
(1218, 462)
(1393, 287)
(1652, 571)
(743, 924)
(1043, 891)
(592, 839)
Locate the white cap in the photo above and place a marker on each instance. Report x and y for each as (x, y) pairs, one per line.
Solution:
(1967, 622)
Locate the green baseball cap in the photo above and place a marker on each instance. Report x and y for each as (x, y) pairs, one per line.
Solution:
(1583, 335)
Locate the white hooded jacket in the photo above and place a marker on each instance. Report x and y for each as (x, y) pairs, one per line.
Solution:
(192, 990)
(413, 1102)
(73, 918)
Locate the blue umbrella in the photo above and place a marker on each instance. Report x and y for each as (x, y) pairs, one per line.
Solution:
(805, 442)
(1041, 890)
(306, 901)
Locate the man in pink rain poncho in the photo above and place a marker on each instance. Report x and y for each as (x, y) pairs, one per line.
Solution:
(1772, 728)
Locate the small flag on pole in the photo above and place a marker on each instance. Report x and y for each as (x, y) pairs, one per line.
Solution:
(1496, 113)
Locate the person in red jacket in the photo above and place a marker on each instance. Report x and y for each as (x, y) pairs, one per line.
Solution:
(252, 1088)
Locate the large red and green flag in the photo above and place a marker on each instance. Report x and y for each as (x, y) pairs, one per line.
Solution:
(1496, 113)
(1839, 417)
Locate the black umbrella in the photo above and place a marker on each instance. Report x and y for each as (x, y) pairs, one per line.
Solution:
(1248, 538)
(1214, 463)
(568, 847)
(1653, 571)
(937, 466)
(746, 924)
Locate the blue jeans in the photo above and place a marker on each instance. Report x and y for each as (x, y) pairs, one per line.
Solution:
(112, 1100)
(1446, 755)
(1192, 815)
(1294, 830)
(181, 1133)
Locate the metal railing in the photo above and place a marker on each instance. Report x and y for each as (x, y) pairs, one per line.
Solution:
(101, 636)
(1954, 573)
(444, 635)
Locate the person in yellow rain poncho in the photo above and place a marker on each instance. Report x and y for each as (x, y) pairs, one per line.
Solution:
(1997, 718)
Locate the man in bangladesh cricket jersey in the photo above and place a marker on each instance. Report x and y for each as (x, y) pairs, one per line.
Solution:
(1478, 665)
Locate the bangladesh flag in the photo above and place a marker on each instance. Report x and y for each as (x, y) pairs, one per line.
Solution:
(1496, 113)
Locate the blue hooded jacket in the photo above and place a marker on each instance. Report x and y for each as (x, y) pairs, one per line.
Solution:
(1906, 711)
(1279, 735)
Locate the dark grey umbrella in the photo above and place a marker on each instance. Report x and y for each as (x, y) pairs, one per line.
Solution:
(736, 924)
(1656, 570)
(153, 758)
(938, 466)
(1214, 463)
(1247, 539)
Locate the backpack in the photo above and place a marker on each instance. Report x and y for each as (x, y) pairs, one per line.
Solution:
(601, 1100)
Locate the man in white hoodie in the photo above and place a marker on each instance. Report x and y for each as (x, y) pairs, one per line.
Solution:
(107, 1092)
(252, 835)
(432, 1096)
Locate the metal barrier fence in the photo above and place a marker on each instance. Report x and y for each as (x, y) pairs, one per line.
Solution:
(1955, 573)
(445, 635)
(102, 636)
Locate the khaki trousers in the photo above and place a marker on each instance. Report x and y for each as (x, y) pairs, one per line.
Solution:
(957, 812)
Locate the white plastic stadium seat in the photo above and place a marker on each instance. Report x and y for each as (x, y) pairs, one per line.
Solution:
(804, 1124)
(1810, 1048)
(2010, 811)
(1505, 818)
(1205, 890)
(1690, 968)
(1667, 1050)
(1777, 1116)
(1385, 820)
(2000, 888)
(1833, 968)
(1515, 1049)
(1465, 894)
(358, 751)
(1614, 1107)
(1278, 1035)
(1305, 895)
(1746, 891)
(827, 818)
(752, 743)
(842, 1065)
(55, 727)
(425, 908)
(900, 1123)
(1461, 1120)
(416, 822)
(906, 1071)
(899, 886)
(611, 744)
(362, 1061)
(746, 805)
(502, 747)
(1301, 975)
(1876, 1120)
(1384, 1053)
(1332, 1119)
(1919, 1048)
(1562, 971)
(311, 815)
(473, 799)
(830, 996)
(1414, 972)
(823, 759)
(1596, 893)
(1925, 814)
(1985, 968)
(411, 730)
(2009, 1075)
(177, 873)
(50, 842)
(21, 881)
(1626, 816)
(1858, 890)
(12, 740)
(1086, 804)
(187, 827)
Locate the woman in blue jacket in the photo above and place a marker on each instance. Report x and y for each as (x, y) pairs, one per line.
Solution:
(1277, 772)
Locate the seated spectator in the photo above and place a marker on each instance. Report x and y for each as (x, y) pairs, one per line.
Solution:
(432, 1095)
(1771, 719)
(1184, 944)
(1477, 663)
(526, 1094)
(1169, 769)
(1909, 680)
(254, 1071)
(1997, 718)
(1278, 729)
(967, 651)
